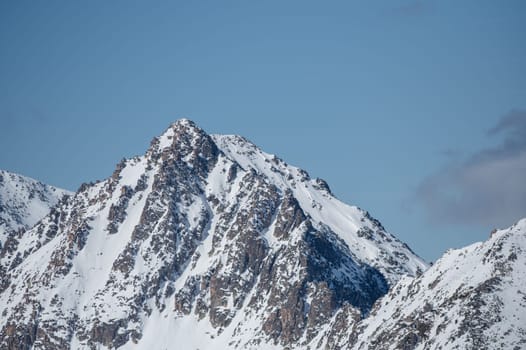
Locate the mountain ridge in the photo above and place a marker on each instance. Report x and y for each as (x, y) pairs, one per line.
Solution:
(472, 298)
(205, 241)
(24, 201)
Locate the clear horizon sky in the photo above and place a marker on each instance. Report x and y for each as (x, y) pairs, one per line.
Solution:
(412, 110)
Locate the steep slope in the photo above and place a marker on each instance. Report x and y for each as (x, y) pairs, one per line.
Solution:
(205, 240)
(23, 202)
(471, 298)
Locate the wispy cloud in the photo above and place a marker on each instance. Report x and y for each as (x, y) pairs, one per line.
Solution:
(488, 187)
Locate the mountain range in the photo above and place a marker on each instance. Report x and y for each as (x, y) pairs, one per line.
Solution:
(207, 242)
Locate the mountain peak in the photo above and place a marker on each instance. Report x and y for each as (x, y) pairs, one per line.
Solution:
(186, 125)
(182, 127)
(184, 141)
(208, 233)
(184, 122)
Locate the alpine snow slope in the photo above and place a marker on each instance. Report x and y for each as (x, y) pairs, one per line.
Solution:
(23, 202)
(471, 298)
(205, 242)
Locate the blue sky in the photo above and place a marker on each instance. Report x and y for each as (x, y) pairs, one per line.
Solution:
(413, 110)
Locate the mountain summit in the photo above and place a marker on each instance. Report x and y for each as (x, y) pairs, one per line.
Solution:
(205, 239)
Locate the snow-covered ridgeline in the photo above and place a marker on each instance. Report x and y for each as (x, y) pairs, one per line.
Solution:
(24, 201)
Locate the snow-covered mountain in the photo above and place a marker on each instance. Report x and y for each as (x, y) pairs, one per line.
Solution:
(207, 242)
(204, 242)
(23, 202)
(471, 298)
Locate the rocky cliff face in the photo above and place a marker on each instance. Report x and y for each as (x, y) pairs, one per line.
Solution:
(471, 298)
(205, 242)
